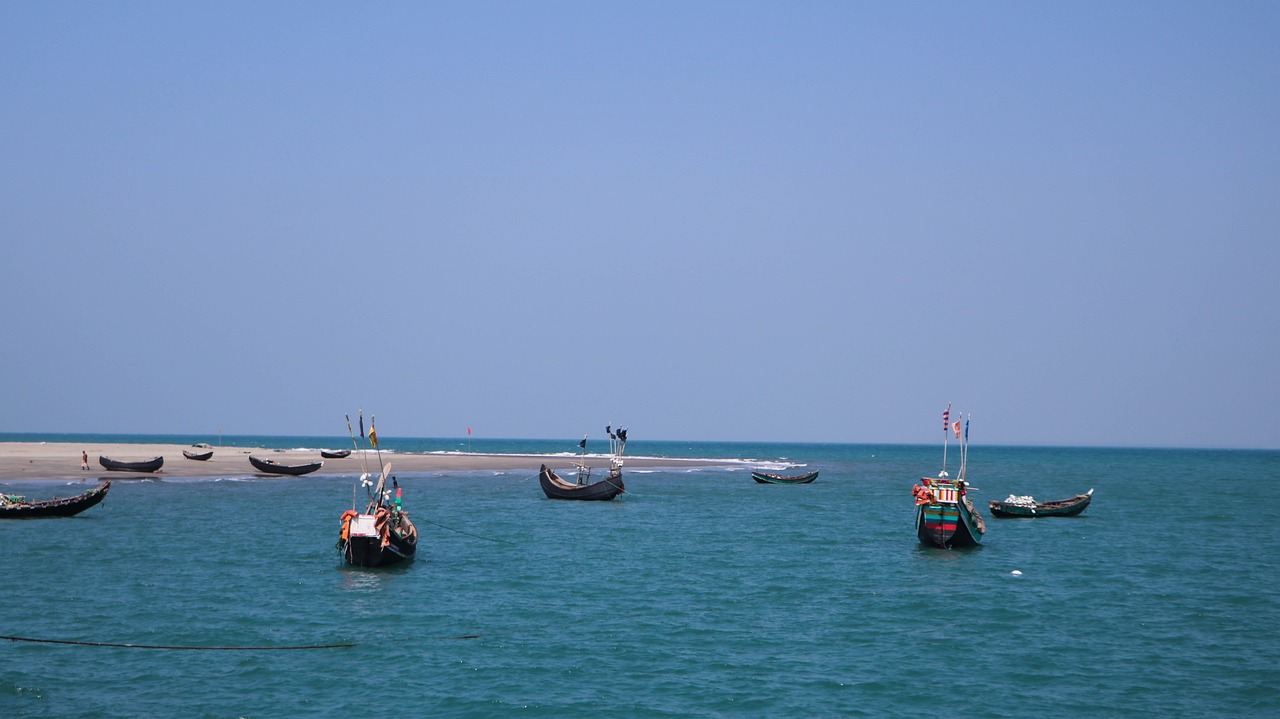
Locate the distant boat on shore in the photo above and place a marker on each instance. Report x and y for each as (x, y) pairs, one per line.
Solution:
(146, 465)
(270, 466)
(335, 453)
(197, 456)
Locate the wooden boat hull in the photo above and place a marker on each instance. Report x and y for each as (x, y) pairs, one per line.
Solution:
(556, 488)
(365, 549)
(149, 465)
(1057, 508)
(335, 454)
(198, 456)
(267, 466)
(764, 478)
(949, 520)
(68, 507)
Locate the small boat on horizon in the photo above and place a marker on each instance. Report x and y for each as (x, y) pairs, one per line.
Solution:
(1026, 507)
(270, 466)
(945, 516)
(765, 478)
(15, 507)
(146, 465)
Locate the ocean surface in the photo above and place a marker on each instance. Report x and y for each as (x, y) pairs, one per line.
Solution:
(699, 593)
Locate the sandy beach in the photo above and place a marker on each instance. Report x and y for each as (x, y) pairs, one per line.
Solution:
(61, 461)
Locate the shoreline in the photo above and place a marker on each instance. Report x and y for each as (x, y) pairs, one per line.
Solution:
(61, 461)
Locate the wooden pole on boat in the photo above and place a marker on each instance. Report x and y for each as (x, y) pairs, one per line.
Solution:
(363, 468)
(946, 432)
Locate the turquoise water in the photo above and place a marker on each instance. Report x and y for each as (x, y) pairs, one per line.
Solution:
(698, 593)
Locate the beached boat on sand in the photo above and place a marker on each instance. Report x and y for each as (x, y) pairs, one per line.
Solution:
(1028, 507)
(198, 456)
(765, 478)
(270, 466)
(146, 465)
(335, 453)
(13, 507)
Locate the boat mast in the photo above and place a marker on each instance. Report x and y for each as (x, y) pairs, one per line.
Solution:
(373, 440)
(364, 467)
(582, 462)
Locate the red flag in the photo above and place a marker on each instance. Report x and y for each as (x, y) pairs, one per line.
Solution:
(956, 426)
(468, 431)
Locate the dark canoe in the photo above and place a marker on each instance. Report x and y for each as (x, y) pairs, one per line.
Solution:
(764, 478)
(335, 453)
(270, 466)
(949, 520)
(556, 488)
(69, 507)
(149, 465)
(360, 541)
(1057, 508)
(198, 456)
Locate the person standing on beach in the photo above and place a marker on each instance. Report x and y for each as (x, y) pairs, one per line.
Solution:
(84, 459)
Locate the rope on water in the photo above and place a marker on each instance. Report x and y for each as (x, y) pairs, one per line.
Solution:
(459, 531)
(162, 646)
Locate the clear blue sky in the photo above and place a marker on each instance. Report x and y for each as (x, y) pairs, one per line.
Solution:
(701, 220)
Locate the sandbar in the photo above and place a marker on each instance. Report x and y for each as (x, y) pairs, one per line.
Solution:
(57, 461)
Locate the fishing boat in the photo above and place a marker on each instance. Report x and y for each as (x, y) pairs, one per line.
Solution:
(382, 534)
(1027, 507)
(270, 466)
(335, 453)
(14, 507)
(583, 488)
(146, 465)
(198, 456)
(765, 478)
(945, 516)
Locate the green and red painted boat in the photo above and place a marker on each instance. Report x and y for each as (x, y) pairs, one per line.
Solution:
(945, 516)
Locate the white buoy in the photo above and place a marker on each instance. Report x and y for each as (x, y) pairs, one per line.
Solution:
(1016, 573)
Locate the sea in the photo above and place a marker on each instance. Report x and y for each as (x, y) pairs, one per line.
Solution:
(698, 593)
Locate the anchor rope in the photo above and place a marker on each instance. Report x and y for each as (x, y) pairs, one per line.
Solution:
(167, 646)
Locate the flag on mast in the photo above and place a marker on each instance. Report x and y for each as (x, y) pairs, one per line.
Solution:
(373, 433)
(362, 423)
(946, 418)
(956, 426)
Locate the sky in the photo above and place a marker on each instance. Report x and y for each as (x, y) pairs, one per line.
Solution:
(733, 221)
